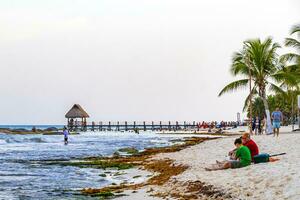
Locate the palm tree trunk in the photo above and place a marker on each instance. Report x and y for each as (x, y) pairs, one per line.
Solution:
(269, 128)
(292, 110)
(250, 102)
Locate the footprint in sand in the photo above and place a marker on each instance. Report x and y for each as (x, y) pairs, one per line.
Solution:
(278, 192)
(288, 178)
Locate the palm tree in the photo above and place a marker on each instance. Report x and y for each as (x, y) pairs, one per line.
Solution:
(290, 96)
(294, 67)
(258, 58)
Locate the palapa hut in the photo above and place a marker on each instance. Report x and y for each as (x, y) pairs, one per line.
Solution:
(77, 112)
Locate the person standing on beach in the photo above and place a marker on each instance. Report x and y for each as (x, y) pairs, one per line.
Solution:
(66, 135)
(277, 118)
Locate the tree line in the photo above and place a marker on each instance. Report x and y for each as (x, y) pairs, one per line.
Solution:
(273, 80)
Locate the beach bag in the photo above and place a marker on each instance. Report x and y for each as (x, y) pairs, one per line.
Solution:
(264, 157)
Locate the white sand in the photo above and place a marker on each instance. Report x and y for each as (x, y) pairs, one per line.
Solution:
(277, 180)
(265, 181)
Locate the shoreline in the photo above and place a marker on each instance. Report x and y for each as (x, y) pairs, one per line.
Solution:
(272, 180)
(177, 171)
(163, 171)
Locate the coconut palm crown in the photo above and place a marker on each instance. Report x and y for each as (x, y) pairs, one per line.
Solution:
(261, 60)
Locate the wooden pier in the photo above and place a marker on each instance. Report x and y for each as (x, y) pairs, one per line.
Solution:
(77, 121)
(134, 126)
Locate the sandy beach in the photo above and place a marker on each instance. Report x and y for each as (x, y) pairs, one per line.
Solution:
(276, 180)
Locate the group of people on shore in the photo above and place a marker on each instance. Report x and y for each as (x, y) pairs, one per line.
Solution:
(215, 124)
(259, 125)
(246, 149)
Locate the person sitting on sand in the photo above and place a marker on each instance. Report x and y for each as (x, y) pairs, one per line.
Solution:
(243, 157)
(248, 142)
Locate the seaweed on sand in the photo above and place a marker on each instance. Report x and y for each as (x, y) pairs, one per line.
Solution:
(163, 169)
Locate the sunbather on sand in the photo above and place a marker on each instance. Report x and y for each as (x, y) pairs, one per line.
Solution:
(243, 158)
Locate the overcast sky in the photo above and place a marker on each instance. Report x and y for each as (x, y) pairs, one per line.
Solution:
(128, 59)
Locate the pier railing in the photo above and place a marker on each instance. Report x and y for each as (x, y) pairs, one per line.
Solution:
(134, 125)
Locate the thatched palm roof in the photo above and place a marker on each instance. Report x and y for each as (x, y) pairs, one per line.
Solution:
(76, 112)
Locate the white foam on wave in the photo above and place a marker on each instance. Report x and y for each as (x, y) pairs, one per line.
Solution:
(2, 141)
(159, 142)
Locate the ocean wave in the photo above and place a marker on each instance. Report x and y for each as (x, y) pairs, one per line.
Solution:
(35, 140)
(26, 140)
(12, 140)
(2, 141)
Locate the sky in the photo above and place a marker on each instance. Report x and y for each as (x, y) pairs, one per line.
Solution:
(129, 59)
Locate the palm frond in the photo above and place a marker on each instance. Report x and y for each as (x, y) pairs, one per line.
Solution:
(289, 57)
(291, 42)
(234, 86)
(239, 66)
(262, 55)
(286, 77)
(294, 69)
(276, 89)
(295, 29)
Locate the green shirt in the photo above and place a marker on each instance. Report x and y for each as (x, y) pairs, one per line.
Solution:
(243, 153)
